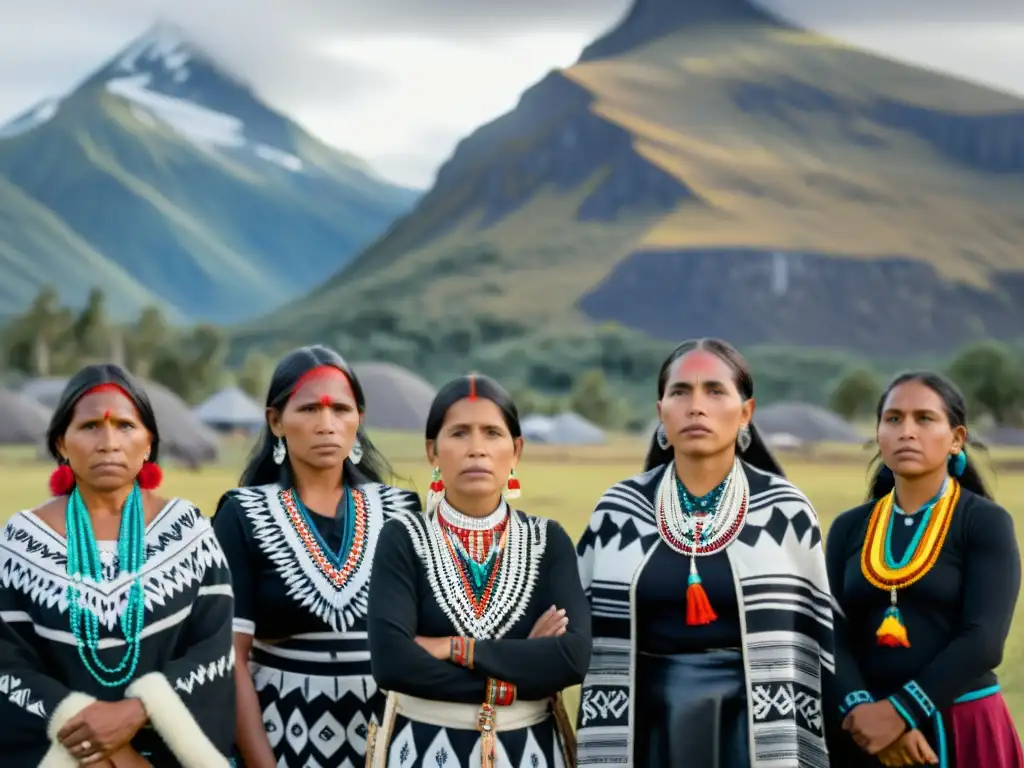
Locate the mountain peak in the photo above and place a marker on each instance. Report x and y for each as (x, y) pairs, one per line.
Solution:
(650, 19)
(162, 46)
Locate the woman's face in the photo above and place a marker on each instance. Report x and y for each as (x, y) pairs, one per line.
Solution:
(319, 422)
(474, 451)
(914, 435)
(701, 410)
(106, 443)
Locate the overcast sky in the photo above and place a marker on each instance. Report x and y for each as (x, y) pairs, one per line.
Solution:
(399, 82)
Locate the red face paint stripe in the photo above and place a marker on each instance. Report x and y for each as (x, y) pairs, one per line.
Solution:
(107, 415)
(321, 372)
(326, 401)
(472, 387)
(107, 388)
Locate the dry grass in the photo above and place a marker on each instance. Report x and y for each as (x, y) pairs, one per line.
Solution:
(565, 484)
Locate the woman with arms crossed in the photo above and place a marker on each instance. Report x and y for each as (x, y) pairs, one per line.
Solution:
(115, 603)
(926, 575)
(477, 617)
(299, 536)
(706, 576)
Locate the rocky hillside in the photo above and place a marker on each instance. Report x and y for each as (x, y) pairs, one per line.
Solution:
(704, 169)
(165, 180)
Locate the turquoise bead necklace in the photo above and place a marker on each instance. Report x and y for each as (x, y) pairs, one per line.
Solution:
(85, 564)
(702, 505)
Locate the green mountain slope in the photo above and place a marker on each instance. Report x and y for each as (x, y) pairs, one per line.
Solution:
(706, 170)
(179, 179)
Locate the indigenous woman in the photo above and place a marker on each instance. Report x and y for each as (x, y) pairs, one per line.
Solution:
(926, 575)
(477, 617)
(115, 603)
(706, 576)
(299, 536)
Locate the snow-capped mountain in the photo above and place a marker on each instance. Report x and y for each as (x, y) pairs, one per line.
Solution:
(172, 171)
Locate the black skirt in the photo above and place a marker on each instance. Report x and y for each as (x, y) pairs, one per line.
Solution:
(691, 710)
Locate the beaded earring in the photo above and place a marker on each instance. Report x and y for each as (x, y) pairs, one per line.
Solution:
(958, 463)
(62, 479)
(356, 454)
(436, 492)
(514, 488)
(280, 451)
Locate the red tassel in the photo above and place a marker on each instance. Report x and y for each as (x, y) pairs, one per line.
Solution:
(437, 486)
(513, 484)
(150, 476)
(698, 607)
(62, 480)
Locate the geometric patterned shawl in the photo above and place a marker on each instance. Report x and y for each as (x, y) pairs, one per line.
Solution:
(785, 605)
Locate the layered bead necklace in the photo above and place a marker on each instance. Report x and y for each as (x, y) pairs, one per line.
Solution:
(698, 526)
(476, 545)
(85, 564)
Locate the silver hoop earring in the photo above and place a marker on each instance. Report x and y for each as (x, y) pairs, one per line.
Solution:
(662, 437)
(743, 438)
(356, 454)
(280, 451)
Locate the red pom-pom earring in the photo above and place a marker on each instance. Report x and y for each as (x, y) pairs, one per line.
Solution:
(62, 480)
(150, 476)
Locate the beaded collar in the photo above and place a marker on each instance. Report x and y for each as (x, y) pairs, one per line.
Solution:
(702, 532)
(482, 589)
(457, 519)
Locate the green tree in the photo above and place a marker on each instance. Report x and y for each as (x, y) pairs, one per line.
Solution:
(593, 399)
(37, 342)
(90, 330)
(992, 380)
(145, 339)
(254, 377)
(855, 394)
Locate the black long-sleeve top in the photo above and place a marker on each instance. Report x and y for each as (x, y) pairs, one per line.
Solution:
(661, 604)
(409, 597)
(957, 616)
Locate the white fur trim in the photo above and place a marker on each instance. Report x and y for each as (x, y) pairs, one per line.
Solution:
(175, 724)
(57, 756)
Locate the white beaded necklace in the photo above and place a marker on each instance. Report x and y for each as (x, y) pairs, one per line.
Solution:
(701, 535)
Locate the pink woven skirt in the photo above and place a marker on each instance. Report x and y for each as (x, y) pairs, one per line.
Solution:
(984, 735)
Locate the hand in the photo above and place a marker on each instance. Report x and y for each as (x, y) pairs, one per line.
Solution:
(438, 647)
(552, 623)
(102, 729)
(912, 748)
(874, 726)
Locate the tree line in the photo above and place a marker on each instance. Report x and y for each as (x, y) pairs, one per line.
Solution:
(611, 384)
(49, 339)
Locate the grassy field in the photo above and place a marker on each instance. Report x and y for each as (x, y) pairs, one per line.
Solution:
(566, 483)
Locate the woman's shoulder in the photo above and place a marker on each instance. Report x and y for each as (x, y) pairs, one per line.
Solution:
(640, 486)
(984, 514)
(394, 500)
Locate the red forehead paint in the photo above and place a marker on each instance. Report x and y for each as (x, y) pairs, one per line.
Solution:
(318, 373)
(698, 363)
(472, 387)
(326, 401)
(107, 388)
(107, 415)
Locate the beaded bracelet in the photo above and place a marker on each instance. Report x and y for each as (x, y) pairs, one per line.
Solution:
(500, 693)
(461, 651)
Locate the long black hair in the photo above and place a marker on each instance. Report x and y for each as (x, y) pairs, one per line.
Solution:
(955, 406)
(89, 378)
(470, 386)
(260, 468)
(757, 453)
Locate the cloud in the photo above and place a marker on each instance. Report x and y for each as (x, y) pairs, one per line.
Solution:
(399, 82)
